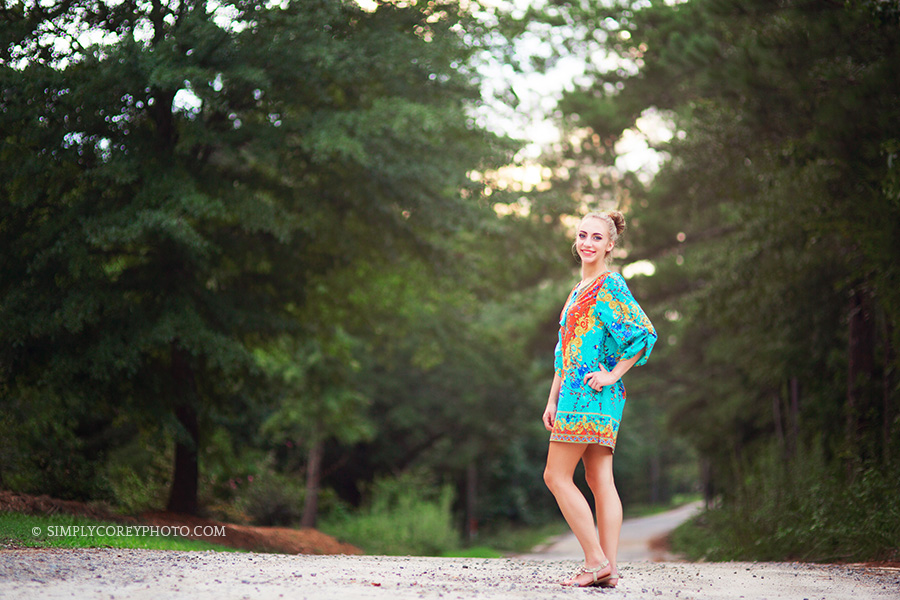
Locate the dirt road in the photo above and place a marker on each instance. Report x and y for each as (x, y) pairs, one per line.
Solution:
(109, 574)
(154, 575)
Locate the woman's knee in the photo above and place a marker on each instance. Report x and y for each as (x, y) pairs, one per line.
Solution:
(562, 459)
(549, 480)
(554, 479)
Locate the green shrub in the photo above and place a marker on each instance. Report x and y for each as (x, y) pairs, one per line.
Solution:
(271, 498)
(50, 445)
(405, 516)
(803, 509)
(139, 473)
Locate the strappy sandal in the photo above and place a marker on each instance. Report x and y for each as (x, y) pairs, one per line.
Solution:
(612, 582)
(595, 581)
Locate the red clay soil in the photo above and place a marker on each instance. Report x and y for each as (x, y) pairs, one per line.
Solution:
(246, 537)
(659, 546)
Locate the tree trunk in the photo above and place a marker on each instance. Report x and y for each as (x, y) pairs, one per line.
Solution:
(472, 501)
(183, 493)
(655, 477)
(794, 437)
(313, 483)
(779, 424)
(860, 364)
(706, 476)
(887, 417)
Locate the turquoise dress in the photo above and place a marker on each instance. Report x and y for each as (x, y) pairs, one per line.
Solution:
(600, 325)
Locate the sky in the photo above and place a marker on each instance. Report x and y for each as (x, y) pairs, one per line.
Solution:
(532, 120)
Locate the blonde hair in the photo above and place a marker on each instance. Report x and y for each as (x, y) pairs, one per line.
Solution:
(614, 220)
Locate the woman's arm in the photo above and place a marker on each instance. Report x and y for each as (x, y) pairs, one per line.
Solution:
(602, 378)
(550, 411)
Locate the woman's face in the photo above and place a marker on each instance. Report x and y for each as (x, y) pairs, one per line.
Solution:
(592, 240)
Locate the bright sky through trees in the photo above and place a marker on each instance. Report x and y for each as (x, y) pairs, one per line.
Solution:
(538, 75)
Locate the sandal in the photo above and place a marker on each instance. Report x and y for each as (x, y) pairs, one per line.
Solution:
(612, 581)
(595, 581)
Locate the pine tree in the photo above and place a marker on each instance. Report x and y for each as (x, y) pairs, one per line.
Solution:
(176, 175)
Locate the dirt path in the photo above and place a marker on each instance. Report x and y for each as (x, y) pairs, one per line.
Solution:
(152, 575)
(111, 574)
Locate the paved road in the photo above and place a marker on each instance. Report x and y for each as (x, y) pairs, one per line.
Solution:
(635, 541)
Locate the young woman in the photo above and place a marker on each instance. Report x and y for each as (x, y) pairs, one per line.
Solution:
(603, 333)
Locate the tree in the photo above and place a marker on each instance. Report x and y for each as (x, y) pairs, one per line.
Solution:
(175, 176)
(772, 226)
(320, 401)
(445, 360)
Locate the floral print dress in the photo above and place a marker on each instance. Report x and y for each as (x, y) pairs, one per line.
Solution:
(602, 324)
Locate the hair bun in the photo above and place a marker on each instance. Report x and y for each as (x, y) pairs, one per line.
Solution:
(618, 219)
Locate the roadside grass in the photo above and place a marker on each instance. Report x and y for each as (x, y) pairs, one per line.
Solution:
(403, 517)
(55, 531)
(474, 552)
(803, 509)
(510, 539)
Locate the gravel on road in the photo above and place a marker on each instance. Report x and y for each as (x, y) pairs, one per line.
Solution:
(113, 574)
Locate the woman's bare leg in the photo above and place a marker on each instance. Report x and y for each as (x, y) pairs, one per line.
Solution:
(598, 470)
(562, 458)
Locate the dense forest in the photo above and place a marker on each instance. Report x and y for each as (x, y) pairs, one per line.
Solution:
(267, 261)
(773, 232)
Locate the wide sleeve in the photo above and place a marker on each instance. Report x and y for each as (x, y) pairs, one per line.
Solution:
(558, 359)
(558, 352)
(625, 319)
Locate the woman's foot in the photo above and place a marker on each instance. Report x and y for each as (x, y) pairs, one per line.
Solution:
(612, 582)
(592, 577)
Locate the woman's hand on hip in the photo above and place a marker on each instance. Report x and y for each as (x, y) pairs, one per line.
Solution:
(597, 380)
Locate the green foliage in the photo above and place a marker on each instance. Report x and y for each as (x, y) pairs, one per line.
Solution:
(802, 509)
(406, 515)
(518, 539)
(182, 197)
(139, 472)
(263, 489)
(452, 376)
(18, 530)
(234, 241)
(270, 498)
(53, 445)
(320, 397)
(772, 228)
